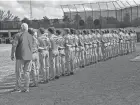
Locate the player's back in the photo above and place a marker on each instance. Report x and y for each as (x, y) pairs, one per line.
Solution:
(54, 43)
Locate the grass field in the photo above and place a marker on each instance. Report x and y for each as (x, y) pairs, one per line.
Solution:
(113, 82)
(6, 65)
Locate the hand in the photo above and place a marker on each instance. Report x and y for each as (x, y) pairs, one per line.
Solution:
(59, 48)
(46, 48)
(12, 57)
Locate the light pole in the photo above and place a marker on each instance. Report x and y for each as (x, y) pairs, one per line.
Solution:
(30, 9)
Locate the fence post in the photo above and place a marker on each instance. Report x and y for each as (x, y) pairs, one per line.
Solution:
(63, 12)
(115, 9)
(92, 13)
(121, 10)
(124, 6)
(137, 8)
(131, 10)
(100, 16)
(78, 19)
(62, 9)
(0, 25)
(107, 10)
(85, 16)
(70, 13)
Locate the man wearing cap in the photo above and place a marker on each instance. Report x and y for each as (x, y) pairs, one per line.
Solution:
(54, 53)
(120, 42)
(127, 41)
(111, 44)
(81, 48)
(115, 41)
(61, 49)
(100, 55)
(94, 47)
(74, 59)
(86, 43)
(90, 46)
(134, 40)
(68, 50)
(22, 51)
(103, 41)
(35, 60)
(44, 43)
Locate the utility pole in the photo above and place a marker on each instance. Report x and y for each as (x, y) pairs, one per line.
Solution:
(30, 10)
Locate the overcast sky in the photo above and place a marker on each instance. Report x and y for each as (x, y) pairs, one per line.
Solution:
(40, 8)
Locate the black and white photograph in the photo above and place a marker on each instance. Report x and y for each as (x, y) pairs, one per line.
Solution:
(69, 52)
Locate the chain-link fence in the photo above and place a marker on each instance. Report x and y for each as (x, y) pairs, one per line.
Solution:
(112, 14)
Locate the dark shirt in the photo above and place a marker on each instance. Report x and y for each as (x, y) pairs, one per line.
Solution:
(23, 43)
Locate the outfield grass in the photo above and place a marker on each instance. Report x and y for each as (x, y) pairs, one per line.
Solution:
(113, 82)
(7, 67)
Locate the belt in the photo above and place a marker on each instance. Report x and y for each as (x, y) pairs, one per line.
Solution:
(43, 50)
(35, 52)
(61, 48)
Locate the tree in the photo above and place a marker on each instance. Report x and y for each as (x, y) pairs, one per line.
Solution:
(55, 21)
(126, 20)
(5, 16)
(112, 20)
(89, 22)
(136, 22)
(66, 20)
(9, 16)
(26, 20)
(35, 20)
(81, 22)
(96, 22)
(16, 18)
(46, 20)
(77, 19)
(2, 15)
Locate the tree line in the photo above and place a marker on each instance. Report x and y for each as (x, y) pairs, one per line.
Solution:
(77, 22)
(8, 16)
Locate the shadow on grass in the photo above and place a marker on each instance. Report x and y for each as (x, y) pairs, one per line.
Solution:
(7, 85)
(8, 81)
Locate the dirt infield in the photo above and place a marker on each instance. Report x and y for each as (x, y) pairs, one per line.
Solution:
(113, 82)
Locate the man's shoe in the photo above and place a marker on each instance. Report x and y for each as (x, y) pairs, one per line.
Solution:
(51, 78)
(71, 73)
(56, 77)
(82, 66)
(34, 85)
(43, 81)
(24, 91)
(16, 90)
(67, 74)
(63, 74)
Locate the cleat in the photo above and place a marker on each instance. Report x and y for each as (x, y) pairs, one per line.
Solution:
(71, 73)
(56, 77)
